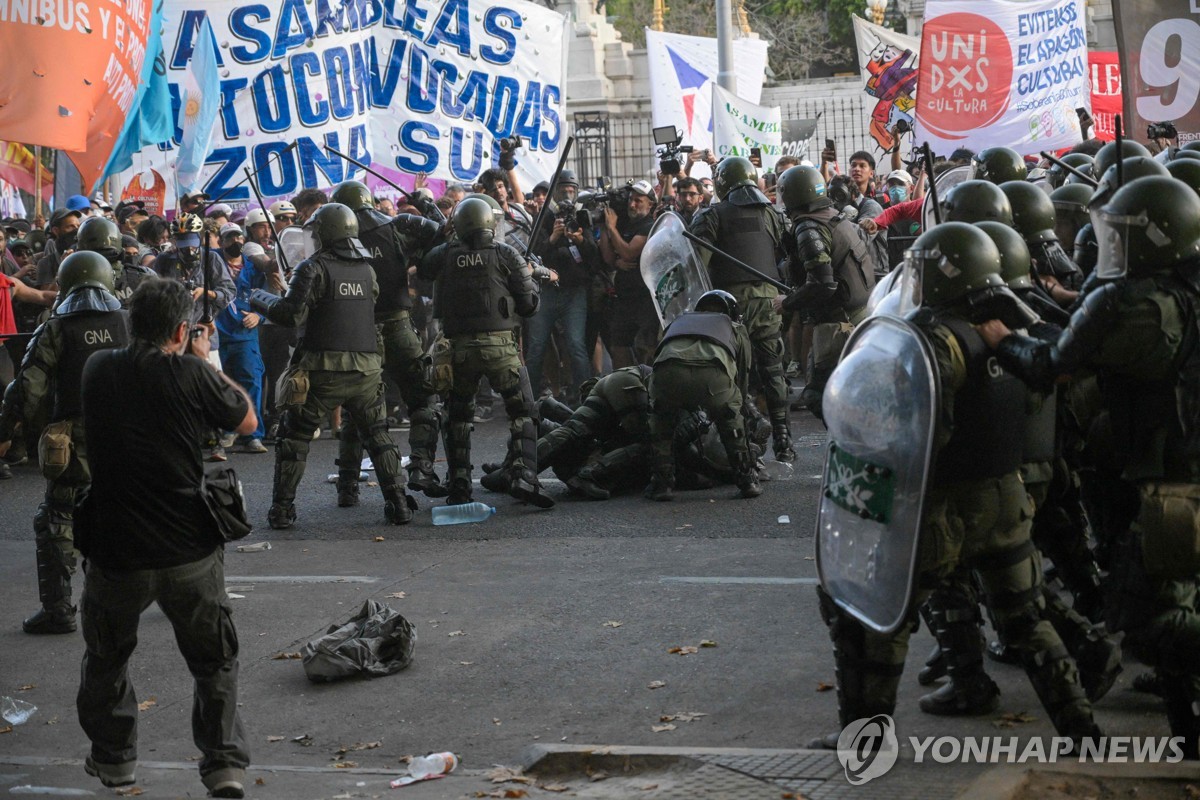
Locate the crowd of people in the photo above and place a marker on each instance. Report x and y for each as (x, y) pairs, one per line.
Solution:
(342, 311)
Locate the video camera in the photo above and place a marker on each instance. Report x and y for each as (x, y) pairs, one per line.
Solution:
(668, 138)
(1161, 130)
(591, 205)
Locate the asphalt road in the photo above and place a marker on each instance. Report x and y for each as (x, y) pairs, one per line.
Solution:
(533, 627)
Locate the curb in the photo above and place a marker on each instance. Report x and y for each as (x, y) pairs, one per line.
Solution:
(1002, 782)
(559, 759)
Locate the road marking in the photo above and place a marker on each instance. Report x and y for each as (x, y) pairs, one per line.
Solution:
(751, 581)
(300, 579)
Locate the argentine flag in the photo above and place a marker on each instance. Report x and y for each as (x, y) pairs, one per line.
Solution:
(198, 109)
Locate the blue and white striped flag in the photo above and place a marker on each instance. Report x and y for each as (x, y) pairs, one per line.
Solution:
(199, 105)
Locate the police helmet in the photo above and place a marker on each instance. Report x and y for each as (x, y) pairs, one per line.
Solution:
(1107, 155)
(802, 190)
(353, 194)
(82, 269)
(1128, 170)
(100, 235)
(330, 225)
(1032, 211)
(720, 302)
(1186, 170)
(732, 173)
(1058, 176)
(976, 201)
(1150, 224)
(955, 259)
(1015, 261)
(999, 164)
(474, 223)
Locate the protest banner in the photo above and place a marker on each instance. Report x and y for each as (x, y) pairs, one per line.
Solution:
(1159, 43)
(739, 126)
(887, 62)
(1106, 92)
(797, 135)
(683, 70)
(1002, 73)
(407, 86)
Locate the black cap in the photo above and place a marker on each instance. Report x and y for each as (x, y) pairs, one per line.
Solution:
(60, 214)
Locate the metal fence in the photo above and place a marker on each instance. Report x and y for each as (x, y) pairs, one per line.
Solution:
(621, 147)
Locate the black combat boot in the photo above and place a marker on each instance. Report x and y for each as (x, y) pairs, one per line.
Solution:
(347, 492)
(422, 478)
(1097, 656)
(662, 483)
(781, 442)
(552, 409)
(460, 492)
(864, 688)
(1148, 682)
(398, 507)
(935, 663)
(587, 483)
(281, 516)
(498, 480)
(746, 478)
(56, 615)
(969, 690)
(523, 479)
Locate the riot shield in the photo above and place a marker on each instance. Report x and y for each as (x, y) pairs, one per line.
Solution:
(292, 240)
(945, 182)
(880, 405)
(674, 274)
(896, 293)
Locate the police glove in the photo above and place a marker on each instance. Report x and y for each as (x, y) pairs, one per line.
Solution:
(262, 301)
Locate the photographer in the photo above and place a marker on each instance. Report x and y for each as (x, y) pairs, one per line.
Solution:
(499, 184)
(570, 250)
(1163, 137)
(633, 322)
(148, 535)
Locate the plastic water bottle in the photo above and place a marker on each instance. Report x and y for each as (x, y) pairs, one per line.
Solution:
(464, 512)
(434, 763)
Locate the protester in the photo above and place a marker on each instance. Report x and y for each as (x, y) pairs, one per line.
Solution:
(241, 358)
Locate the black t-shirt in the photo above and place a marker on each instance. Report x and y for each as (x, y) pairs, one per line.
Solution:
(628, 282)
(143, 414)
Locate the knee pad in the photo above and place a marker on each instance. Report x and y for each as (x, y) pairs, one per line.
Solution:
(515, 404)
(292, 449)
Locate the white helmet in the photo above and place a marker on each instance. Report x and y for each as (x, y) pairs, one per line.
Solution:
(258, 215)
(281, 207)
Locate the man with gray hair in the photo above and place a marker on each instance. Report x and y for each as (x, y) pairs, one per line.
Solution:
(148, 535)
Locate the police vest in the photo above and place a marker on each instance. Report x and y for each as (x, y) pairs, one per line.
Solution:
(344, 318)
(742, 232)
(853, 265)
(388, 260)
(1039, 431)
(709, 325)
(471, 292)
(81, 335)
(127, 281)
(989, 415)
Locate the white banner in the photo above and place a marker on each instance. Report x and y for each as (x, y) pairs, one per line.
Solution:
(406, 85)
(739, 126)
(887, 62)
(683, 72)
(1001, 72)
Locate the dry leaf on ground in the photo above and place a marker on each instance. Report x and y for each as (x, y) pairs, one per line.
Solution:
(656, 684)
(276, 738)
(398, 595)
(822, 686)
(598, 775)
(554, 787)
(684, 651)
(661, 728)
(345, 765)
(358, 746)
(682, 716)
(502, 774)
(649, 787)
(259, 782)
(129, 791)
(612, 623)
(28, 686)
(457, 633)
(708, 643)
(146, 704)
(6, 729)
(380, 539)
(285, 656)
(304, 740)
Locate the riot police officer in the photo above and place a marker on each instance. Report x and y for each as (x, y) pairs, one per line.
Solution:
(394, 243)
(745, 223)
(481, 286)
(702, 364)
(831, 269)
(976, 201)
(337, 362)
(101, 235)
(1035, 218)
(87, 319)
(1138, 331)
(975, 510)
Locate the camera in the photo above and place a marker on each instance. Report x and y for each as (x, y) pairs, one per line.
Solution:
(668, 138)
(1161, 130)
(591, 205)
(510, 143)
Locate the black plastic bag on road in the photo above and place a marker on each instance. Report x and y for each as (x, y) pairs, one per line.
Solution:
(374, 642)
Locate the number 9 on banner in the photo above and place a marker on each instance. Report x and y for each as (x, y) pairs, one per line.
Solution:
(1168, 63)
